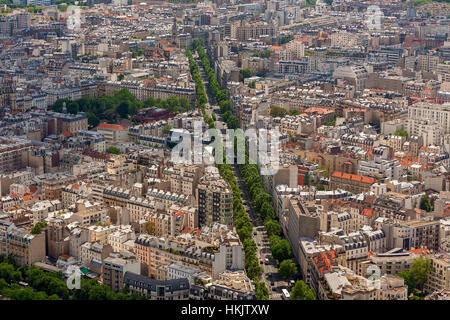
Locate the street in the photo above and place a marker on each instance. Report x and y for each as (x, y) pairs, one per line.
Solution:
(270, 275)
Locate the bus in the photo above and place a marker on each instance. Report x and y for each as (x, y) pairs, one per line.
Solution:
(286, 294)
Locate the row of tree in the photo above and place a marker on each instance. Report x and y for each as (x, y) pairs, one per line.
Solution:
(263, 201)
(244, 226)
(218, 94)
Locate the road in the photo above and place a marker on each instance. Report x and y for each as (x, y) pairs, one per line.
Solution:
(270, 274)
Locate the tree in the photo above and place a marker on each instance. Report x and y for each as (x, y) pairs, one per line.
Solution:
(417, 275)
(306, 179)
(245, 73)
(150, 227)
(166, 129)
(254, 270)
(123, 109)
(401, 132)
(252, 85)
(320, 186)
(287, 269)
(281, 250)
(272, 227)
(261, 291)
(277, 111)
(72, 107)
(301, 291)
(113, 150)
(120, 77)
(38, 227)
(93, 120)
(425, 203)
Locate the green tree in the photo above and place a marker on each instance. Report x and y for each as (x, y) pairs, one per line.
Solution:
(401, 132)
(245, 73)
(123, 109)
(272, 227)
(93, 120)
(281, 250)
(166, 129)
(425, 203)
(306, 179)
(120, 77)
(417, 275)
(287, 269)
(72, 107)
(261, 291)
(301, 291)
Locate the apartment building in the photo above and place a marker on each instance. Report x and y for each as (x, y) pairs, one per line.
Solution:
(88, 213)
(351, 182)
(120, 236)
(232, 286)
(24, 247)
(336, 220)
(52, 185)
(154, 252)
(113, 133)
(380, 168)
(96, 251)
(180, 271)
(302, 221)
(427, 63)
(183, 179)
(439, 277)
(176, 289)
(78, 236)
(214, 199)
(391, 262)
(115, 266)
(120, 164)
(41, 209)
(438, 113)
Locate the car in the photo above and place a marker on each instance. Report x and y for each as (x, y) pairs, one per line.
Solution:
(266, 261)
(261, 262)
(255, 233)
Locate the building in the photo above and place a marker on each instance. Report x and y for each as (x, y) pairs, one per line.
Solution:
(175, 289)
(155, 252)
(113, 133)
(439, 277)
(214, 199)
(11, 150)
(438, 113)
(94, 251)
(351, 182)
(24, 247)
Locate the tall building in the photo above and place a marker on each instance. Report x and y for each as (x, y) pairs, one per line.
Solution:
(115, 266)
(214, 198)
